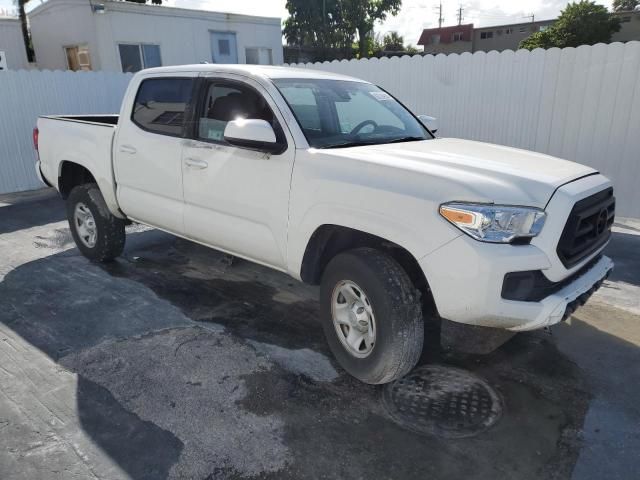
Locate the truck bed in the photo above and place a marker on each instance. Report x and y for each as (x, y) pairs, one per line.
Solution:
(84, 140)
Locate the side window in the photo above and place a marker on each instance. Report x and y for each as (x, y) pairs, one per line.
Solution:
(161, 103)
(226, 101)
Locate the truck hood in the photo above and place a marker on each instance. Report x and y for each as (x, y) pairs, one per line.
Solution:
(482, 172)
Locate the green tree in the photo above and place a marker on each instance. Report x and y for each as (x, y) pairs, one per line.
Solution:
(361, 16)
(392, 42)
(411, 49)
(317, 23)
(580, 23)
(625, 5)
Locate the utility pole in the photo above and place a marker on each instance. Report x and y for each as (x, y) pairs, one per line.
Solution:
(440, 19)
(460, 10)
(532, 17)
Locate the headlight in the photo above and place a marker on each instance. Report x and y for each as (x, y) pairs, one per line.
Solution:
(494, 223)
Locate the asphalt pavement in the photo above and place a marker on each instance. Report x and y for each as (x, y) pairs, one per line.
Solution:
(177, 361)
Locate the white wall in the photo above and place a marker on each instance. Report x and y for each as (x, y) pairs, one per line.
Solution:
(24, 95)
(60, 23)
(12, 44)
(183, 35)
(582, 104)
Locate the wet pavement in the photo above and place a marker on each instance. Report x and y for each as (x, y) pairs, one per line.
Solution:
(176, 361)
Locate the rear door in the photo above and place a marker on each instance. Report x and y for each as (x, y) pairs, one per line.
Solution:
(237, 199)
(148, 152)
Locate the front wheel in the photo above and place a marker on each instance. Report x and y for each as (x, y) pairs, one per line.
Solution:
(98, 234)
(371, 315)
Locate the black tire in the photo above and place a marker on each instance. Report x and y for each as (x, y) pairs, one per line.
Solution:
(396, 307)
(110, 234)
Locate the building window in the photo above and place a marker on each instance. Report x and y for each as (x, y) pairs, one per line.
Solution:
(435, 39)
(485, 35)
(523, 29)
(457, 36)
(625, 19)
(78, 58)
(136, 56)
(508, 31)
(161, 104)
(543, 28)
(259, 56)
(223, 46)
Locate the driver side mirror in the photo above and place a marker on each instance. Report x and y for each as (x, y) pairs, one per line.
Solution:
(430, 122)
(253, 134)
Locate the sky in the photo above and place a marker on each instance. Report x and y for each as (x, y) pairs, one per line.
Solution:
(413, 17)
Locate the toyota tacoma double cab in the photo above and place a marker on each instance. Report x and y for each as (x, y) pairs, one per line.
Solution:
(333, 181)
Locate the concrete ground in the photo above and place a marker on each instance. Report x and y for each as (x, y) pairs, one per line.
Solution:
(174, 362)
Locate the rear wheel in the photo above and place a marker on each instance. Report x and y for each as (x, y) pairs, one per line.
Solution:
(371, 315)
(98, 234)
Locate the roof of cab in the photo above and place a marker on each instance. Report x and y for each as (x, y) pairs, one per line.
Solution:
(262, 71)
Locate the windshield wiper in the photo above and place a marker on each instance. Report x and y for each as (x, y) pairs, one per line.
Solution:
(362, 144)
(406, 139)
(350, 144)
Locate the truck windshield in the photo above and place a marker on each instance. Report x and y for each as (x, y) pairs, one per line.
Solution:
(339, 113)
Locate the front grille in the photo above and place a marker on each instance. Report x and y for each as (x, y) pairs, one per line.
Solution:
(588, 227)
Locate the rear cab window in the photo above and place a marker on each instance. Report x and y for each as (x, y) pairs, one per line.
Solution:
(161, 105)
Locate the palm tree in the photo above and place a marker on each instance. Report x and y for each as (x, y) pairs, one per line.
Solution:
(25, 31)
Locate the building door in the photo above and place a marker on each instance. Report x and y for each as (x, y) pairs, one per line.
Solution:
(223, 47)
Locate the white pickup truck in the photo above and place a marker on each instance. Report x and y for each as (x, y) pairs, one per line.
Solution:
(333, 181)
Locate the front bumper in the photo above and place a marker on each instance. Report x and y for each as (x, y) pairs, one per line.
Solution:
(466, 279)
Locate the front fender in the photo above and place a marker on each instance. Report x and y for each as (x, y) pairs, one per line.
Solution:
(412, 237)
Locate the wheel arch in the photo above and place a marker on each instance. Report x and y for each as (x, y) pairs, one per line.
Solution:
(329, 240)
(71, 174)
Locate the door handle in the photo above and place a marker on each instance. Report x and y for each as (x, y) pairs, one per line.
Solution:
(128, 149)
(195, 163)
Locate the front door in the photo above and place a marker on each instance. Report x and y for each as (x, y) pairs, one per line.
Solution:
(148, 153)
(237, 199)
(223, 47)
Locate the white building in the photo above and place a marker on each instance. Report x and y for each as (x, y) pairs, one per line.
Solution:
(13, 54)
(125, 36)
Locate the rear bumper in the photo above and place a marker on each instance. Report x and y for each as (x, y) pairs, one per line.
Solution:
(40, 175)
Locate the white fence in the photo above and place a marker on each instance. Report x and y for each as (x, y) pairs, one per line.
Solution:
(26, 94)
(582, 104)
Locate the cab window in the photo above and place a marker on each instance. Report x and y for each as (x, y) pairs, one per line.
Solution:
(161, 103)
(225, 101)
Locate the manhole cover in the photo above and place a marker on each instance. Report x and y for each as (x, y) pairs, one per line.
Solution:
(443, 401)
